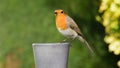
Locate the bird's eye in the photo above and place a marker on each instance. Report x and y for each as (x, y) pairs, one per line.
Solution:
(62, 12)
(55, 12)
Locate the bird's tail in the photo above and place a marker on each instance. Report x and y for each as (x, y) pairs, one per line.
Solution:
(84, 41)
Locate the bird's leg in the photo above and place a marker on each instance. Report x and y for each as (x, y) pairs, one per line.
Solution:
(70, 41)
(63, 41)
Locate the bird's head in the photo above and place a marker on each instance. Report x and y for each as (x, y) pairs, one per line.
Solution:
(59, 12)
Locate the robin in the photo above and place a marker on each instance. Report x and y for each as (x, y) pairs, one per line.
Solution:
(67, 27)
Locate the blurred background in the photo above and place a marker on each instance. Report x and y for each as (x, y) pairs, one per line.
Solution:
(23, 22)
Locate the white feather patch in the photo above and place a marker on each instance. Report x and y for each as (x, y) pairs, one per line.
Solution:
(68, 33)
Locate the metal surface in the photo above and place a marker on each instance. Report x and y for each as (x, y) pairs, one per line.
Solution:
(51, 55)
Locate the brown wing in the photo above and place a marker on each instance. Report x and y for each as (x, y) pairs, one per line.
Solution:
(73, 25)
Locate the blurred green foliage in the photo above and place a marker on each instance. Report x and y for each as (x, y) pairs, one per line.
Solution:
(23, 22)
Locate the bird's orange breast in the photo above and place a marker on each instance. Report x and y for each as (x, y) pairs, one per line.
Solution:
(61, 22)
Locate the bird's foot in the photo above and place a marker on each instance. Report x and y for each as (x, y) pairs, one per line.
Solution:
(67, 40)
(63, 41)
